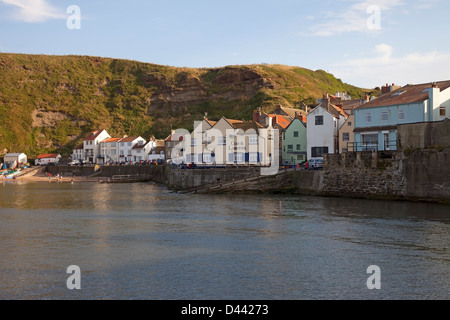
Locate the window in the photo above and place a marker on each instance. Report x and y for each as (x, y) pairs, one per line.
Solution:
(129, 144)
(319, 120)
(239, 157)
(344, 150)
(253, 139)
(384, 116)
(253, 157)
(368, 117)
(295, 134)
(346, 136)
(290, 147)
(222, 141)
(300, 157)
(193, 142)
(442, 111)
(349, 123)
(207, 158)
(113, 152)
(318, 151)
(113, 145)
(370, 141)
(401, 114)
(298, 147)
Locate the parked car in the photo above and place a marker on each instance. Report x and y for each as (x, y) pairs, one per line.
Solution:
(315, 164)
(73, 163)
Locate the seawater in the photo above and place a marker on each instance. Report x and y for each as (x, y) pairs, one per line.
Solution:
(141, 241)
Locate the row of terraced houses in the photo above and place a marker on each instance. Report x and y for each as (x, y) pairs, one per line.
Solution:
(337, 124)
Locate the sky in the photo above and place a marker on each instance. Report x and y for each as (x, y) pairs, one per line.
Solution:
(366, 43)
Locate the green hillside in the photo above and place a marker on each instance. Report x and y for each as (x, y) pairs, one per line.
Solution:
(50, 103)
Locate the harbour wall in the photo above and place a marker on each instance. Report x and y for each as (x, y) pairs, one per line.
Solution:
(422, 174)
(415, 174)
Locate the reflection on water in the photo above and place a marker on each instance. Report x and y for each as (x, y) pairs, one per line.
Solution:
(139, 241)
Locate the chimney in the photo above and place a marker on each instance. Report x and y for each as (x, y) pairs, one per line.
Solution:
(433, 95)
(325, 102)
(206, 116)
(257, 114)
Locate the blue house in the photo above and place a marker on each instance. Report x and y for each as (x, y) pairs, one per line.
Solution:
(376, 121)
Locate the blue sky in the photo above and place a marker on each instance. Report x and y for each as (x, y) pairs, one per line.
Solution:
(365, 43)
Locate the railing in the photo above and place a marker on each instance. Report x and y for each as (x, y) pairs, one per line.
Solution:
(360, 146)
(130, 177)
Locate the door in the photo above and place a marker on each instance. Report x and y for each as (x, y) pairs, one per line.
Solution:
(386, 141)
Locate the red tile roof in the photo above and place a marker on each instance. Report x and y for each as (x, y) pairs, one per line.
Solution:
(140, 146)
(176, 136)
(405, 95)
(233, 121)
(93, 135)
(48, 156)
(280, 120)
(128, 139)
(112, 140)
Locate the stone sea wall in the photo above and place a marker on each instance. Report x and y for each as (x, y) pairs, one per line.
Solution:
(415, 175)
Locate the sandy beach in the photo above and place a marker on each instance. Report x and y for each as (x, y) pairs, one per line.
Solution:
(39, 175)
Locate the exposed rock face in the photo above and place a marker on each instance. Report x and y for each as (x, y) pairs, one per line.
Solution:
(189, 90)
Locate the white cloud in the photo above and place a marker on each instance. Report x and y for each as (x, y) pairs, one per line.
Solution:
(383, 66)
(353, 18)
(34, 10)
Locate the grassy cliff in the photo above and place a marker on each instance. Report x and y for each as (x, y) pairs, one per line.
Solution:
(49, 103)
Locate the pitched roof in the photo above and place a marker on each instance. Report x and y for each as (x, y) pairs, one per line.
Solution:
(13, 154)
(248, 125)
(339, 110)
(93, 135)
(301, 121)
(157, 149)
(233, 121)
(128, 139)
(291, 112)
(175, 136)
(404, 95)
(111, 140)
(48, 155)
(140, 146)
(280, 120)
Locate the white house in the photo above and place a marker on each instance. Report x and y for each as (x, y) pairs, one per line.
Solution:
(91, 146)
(45, 159)
(126, 145)
(156, 153)
(109, 150)
(18, 159)
(140, 151)
(322, 130)
(78, 153)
